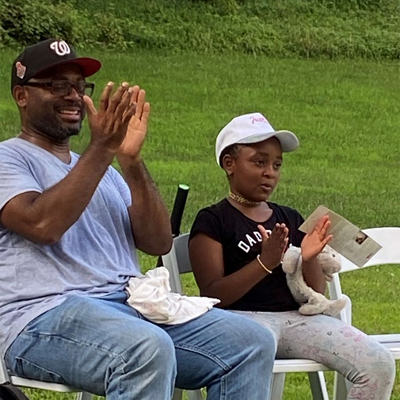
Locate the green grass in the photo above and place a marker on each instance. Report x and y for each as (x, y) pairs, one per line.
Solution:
(346, 114)
(294, 28)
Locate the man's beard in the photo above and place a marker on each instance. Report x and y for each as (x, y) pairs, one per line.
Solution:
(54, 130)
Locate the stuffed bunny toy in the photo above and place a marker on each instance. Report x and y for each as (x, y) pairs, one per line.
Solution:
(312, 302)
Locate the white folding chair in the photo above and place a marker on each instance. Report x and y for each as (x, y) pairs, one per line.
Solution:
(6, 377)
(177, 262)
(389, 239)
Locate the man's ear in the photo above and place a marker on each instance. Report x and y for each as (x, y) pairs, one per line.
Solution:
(20, 95)
(228, 164)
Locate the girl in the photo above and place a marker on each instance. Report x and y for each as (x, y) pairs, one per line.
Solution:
(236, 248)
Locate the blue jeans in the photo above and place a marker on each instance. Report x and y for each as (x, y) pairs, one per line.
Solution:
(105, 347)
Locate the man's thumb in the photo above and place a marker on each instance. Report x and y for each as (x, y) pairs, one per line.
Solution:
(90, 108)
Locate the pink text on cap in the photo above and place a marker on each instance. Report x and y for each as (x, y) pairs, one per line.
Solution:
(259, 119)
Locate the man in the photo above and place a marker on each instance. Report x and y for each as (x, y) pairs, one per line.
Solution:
(69, 229)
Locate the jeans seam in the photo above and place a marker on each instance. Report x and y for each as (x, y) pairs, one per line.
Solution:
(78, 343)
(82, 343)
(223, 387)
(226, 367)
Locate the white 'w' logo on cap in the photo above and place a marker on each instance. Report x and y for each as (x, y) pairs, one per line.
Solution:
(61, 48)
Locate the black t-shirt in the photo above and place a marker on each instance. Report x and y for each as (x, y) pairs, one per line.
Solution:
(241, 243)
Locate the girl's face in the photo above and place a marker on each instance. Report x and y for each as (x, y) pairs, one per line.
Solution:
(254, 171)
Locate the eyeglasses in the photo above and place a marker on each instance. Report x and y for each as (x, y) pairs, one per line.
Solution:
(64, 88)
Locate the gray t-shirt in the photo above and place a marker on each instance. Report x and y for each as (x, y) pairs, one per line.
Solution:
(95, 256)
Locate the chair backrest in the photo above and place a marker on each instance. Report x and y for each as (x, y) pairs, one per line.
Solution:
(177, 261)
(388, 238)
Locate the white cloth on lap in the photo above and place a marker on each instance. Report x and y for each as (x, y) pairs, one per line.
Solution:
(151, 295)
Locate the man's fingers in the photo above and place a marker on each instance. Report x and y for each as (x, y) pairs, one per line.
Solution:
(128, 114)
(117, 97)
(123, 105)
(134, 98)
(135, 92)
(141, 99)
(105, 96)
(146, 113)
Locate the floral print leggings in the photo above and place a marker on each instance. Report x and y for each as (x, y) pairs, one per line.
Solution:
(360, 359)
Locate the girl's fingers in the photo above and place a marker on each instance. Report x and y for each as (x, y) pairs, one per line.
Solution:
(263, 231)
(321, 222)
(327, 240)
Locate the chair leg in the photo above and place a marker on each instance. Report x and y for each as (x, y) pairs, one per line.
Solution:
(318, 385)
(194, 395)
(341, 387)
(278, 383)
(84, 396)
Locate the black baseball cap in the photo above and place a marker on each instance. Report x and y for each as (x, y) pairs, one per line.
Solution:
(47, 54)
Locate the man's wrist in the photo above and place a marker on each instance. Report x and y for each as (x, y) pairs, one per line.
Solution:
(127, 159)
(100, 149)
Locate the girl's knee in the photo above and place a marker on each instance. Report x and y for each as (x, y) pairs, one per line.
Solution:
(382, 366)
(387, 363)
(375, 377)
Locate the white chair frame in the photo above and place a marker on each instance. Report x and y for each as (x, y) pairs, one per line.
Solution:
(6, 377)
(177, 262)
(389, 239)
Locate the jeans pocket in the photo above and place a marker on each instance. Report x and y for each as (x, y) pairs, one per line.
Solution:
(26, 369)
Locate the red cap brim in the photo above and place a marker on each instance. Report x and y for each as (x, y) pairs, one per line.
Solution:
(89, 66)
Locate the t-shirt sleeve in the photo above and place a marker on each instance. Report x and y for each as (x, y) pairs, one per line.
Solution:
(208, 223)
(15, 178)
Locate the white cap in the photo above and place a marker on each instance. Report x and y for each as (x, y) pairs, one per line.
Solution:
(252, 128)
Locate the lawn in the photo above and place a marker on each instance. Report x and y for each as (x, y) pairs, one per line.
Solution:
(345, 113)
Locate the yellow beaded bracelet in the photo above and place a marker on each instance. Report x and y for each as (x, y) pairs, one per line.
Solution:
(261, 263)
